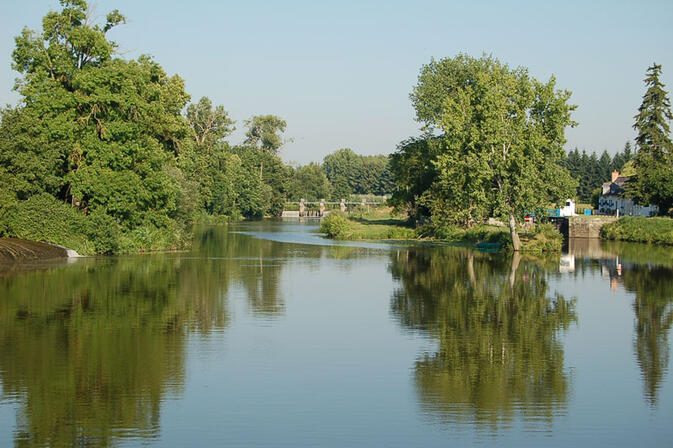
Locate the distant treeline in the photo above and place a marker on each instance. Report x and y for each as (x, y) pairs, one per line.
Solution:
(591, 171)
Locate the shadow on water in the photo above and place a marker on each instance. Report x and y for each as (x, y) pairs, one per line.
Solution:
(496, 324)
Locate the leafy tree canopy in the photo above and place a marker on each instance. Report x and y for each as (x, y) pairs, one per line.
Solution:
(503, 135)
(264, 131)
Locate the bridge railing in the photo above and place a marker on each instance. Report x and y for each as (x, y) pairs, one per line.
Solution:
(322, 207)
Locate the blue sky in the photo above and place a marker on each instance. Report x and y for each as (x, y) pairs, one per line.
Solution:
(340, 73)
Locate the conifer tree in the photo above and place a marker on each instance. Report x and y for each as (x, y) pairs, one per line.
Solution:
(654, 159)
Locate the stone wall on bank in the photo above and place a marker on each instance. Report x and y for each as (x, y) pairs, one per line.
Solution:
(587, 226)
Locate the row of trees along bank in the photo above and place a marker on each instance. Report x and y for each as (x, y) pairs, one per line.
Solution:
(493, 147)
(106, 155)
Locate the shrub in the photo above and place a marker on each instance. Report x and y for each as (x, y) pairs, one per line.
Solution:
(545, 238)
(103, 231)
(640, 229)
(337, 226)
(45, 218)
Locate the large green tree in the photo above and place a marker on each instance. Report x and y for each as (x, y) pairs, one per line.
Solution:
(654, 159)
(503, 136)
(111, 128)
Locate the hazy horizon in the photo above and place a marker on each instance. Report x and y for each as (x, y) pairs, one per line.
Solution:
(340, 75)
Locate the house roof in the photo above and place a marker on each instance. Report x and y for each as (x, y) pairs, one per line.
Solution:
(615, 187)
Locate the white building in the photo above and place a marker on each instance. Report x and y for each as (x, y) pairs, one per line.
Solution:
(568, 209)
(613, 199)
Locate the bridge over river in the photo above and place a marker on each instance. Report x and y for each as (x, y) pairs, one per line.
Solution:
(318, 209)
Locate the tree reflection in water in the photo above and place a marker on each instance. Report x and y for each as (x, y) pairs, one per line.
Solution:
(497, 326)
(91, 349)
(647, 272)
(653, 307)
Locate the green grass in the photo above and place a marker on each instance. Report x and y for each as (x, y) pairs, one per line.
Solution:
(375, 227)
(381, 224)
(639, 229)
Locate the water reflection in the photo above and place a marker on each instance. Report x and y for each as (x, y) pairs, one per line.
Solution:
(646, 271)
(653, 307)
(497, 326)
(90, 350)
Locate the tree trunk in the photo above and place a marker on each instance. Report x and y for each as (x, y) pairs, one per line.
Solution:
(516, 242)
(470, 270)
(261, 167)
(516, 258)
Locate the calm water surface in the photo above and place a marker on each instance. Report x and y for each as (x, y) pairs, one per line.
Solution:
(267, 335)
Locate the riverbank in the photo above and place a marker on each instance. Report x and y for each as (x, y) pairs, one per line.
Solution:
(383, 226)
(44, 218)
(14, 249)
(638, 229)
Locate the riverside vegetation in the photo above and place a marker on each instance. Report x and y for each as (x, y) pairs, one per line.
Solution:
(384, 225)
(107, 155)
(639, 229)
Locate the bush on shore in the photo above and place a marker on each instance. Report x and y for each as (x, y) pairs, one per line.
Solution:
(45, 218)
(640, 229)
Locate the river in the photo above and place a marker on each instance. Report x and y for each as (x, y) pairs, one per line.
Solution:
(265, 334)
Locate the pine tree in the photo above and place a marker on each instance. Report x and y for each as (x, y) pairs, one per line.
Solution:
(604, 167)
(652, 119)
(654, 159)
(628, 153)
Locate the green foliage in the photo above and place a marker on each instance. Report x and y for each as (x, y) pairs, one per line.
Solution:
(502, 145)
(546, 238)
(101, 229)
(654, 159)
(336, 226)
(414, 172)
(107, 137)
(208, 125)
(310, 183)
(596, 197)
(640, 229)
(30, 162)
(350, 173)
(591, 172)
(264, 132)
(263, 195)
(44, 218)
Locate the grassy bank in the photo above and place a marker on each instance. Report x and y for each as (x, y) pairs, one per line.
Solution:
(43, 218)
(639, 229)
(381, 225)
